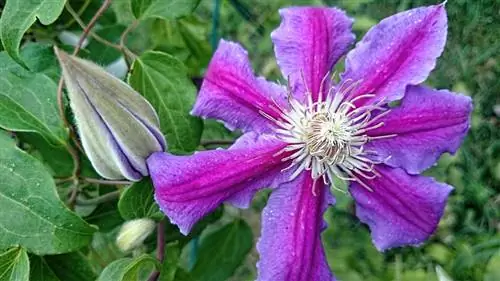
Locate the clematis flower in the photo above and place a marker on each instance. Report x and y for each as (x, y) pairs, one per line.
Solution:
(118, 127)
(298, 139)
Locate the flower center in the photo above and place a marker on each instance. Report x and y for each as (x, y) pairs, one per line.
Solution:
(328, 137)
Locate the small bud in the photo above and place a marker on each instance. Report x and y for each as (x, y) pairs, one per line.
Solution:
(118, 127)
(133, 233)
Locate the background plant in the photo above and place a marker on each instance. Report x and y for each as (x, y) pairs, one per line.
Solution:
(59, 221)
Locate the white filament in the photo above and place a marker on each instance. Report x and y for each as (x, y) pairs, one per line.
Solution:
(328, 137)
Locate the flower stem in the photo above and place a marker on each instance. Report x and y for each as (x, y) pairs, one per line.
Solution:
(160, 241)
(160, 248)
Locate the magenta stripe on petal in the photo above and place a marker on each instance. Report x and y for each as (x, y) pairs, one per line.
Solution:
(310, 40)
(400, 50)
(402, 209)
(290, 246)
(427, 124)
(189, 187)
(231, 93)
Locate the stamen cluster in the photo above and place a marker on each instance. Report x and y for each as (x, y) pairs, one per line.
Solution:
(328, 136)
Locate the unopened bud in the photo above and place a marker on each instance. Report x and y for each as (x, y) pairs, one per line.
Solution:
(133, 233)
(118, 127)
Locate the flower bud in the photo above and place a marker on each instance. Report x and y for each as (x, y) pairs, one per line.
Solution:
(118, 127)
(133, 233)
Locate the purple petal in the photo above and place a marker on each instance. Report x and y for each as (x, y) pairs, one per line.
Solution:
(310, 40)
(232, 94)
(400, 50)
(428, 123)
(402, 209)
(290, 246)
(189, 187)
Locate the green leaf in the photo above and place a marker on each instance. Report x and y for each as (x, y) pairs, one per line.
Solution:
(215, 131)
(182, 275)
(492, 271)
(28, 102)
(162, 79)
(103, 250)
(19, 15)
(115, 270)
(143, 265)
(170, 262)
(28, 191)
(137, 201)
(127, 269)
(71, 267)
(66, 267)
(123, 12)
(40, 58)
(57, 158)
(14, 265)
(223, 251)
(164, 9)
(40, 270)
(194, 36)
(103, 54)
(172, 232)
(186, 39)
(105, 216)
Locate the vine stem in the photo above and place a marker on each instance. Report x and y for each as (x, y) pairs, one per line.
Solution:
(79, 13)
(73, 197)
(107, 182)
(123, 45)
(99, 200)
(91, 24)
(60, 104)
(98, 38)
